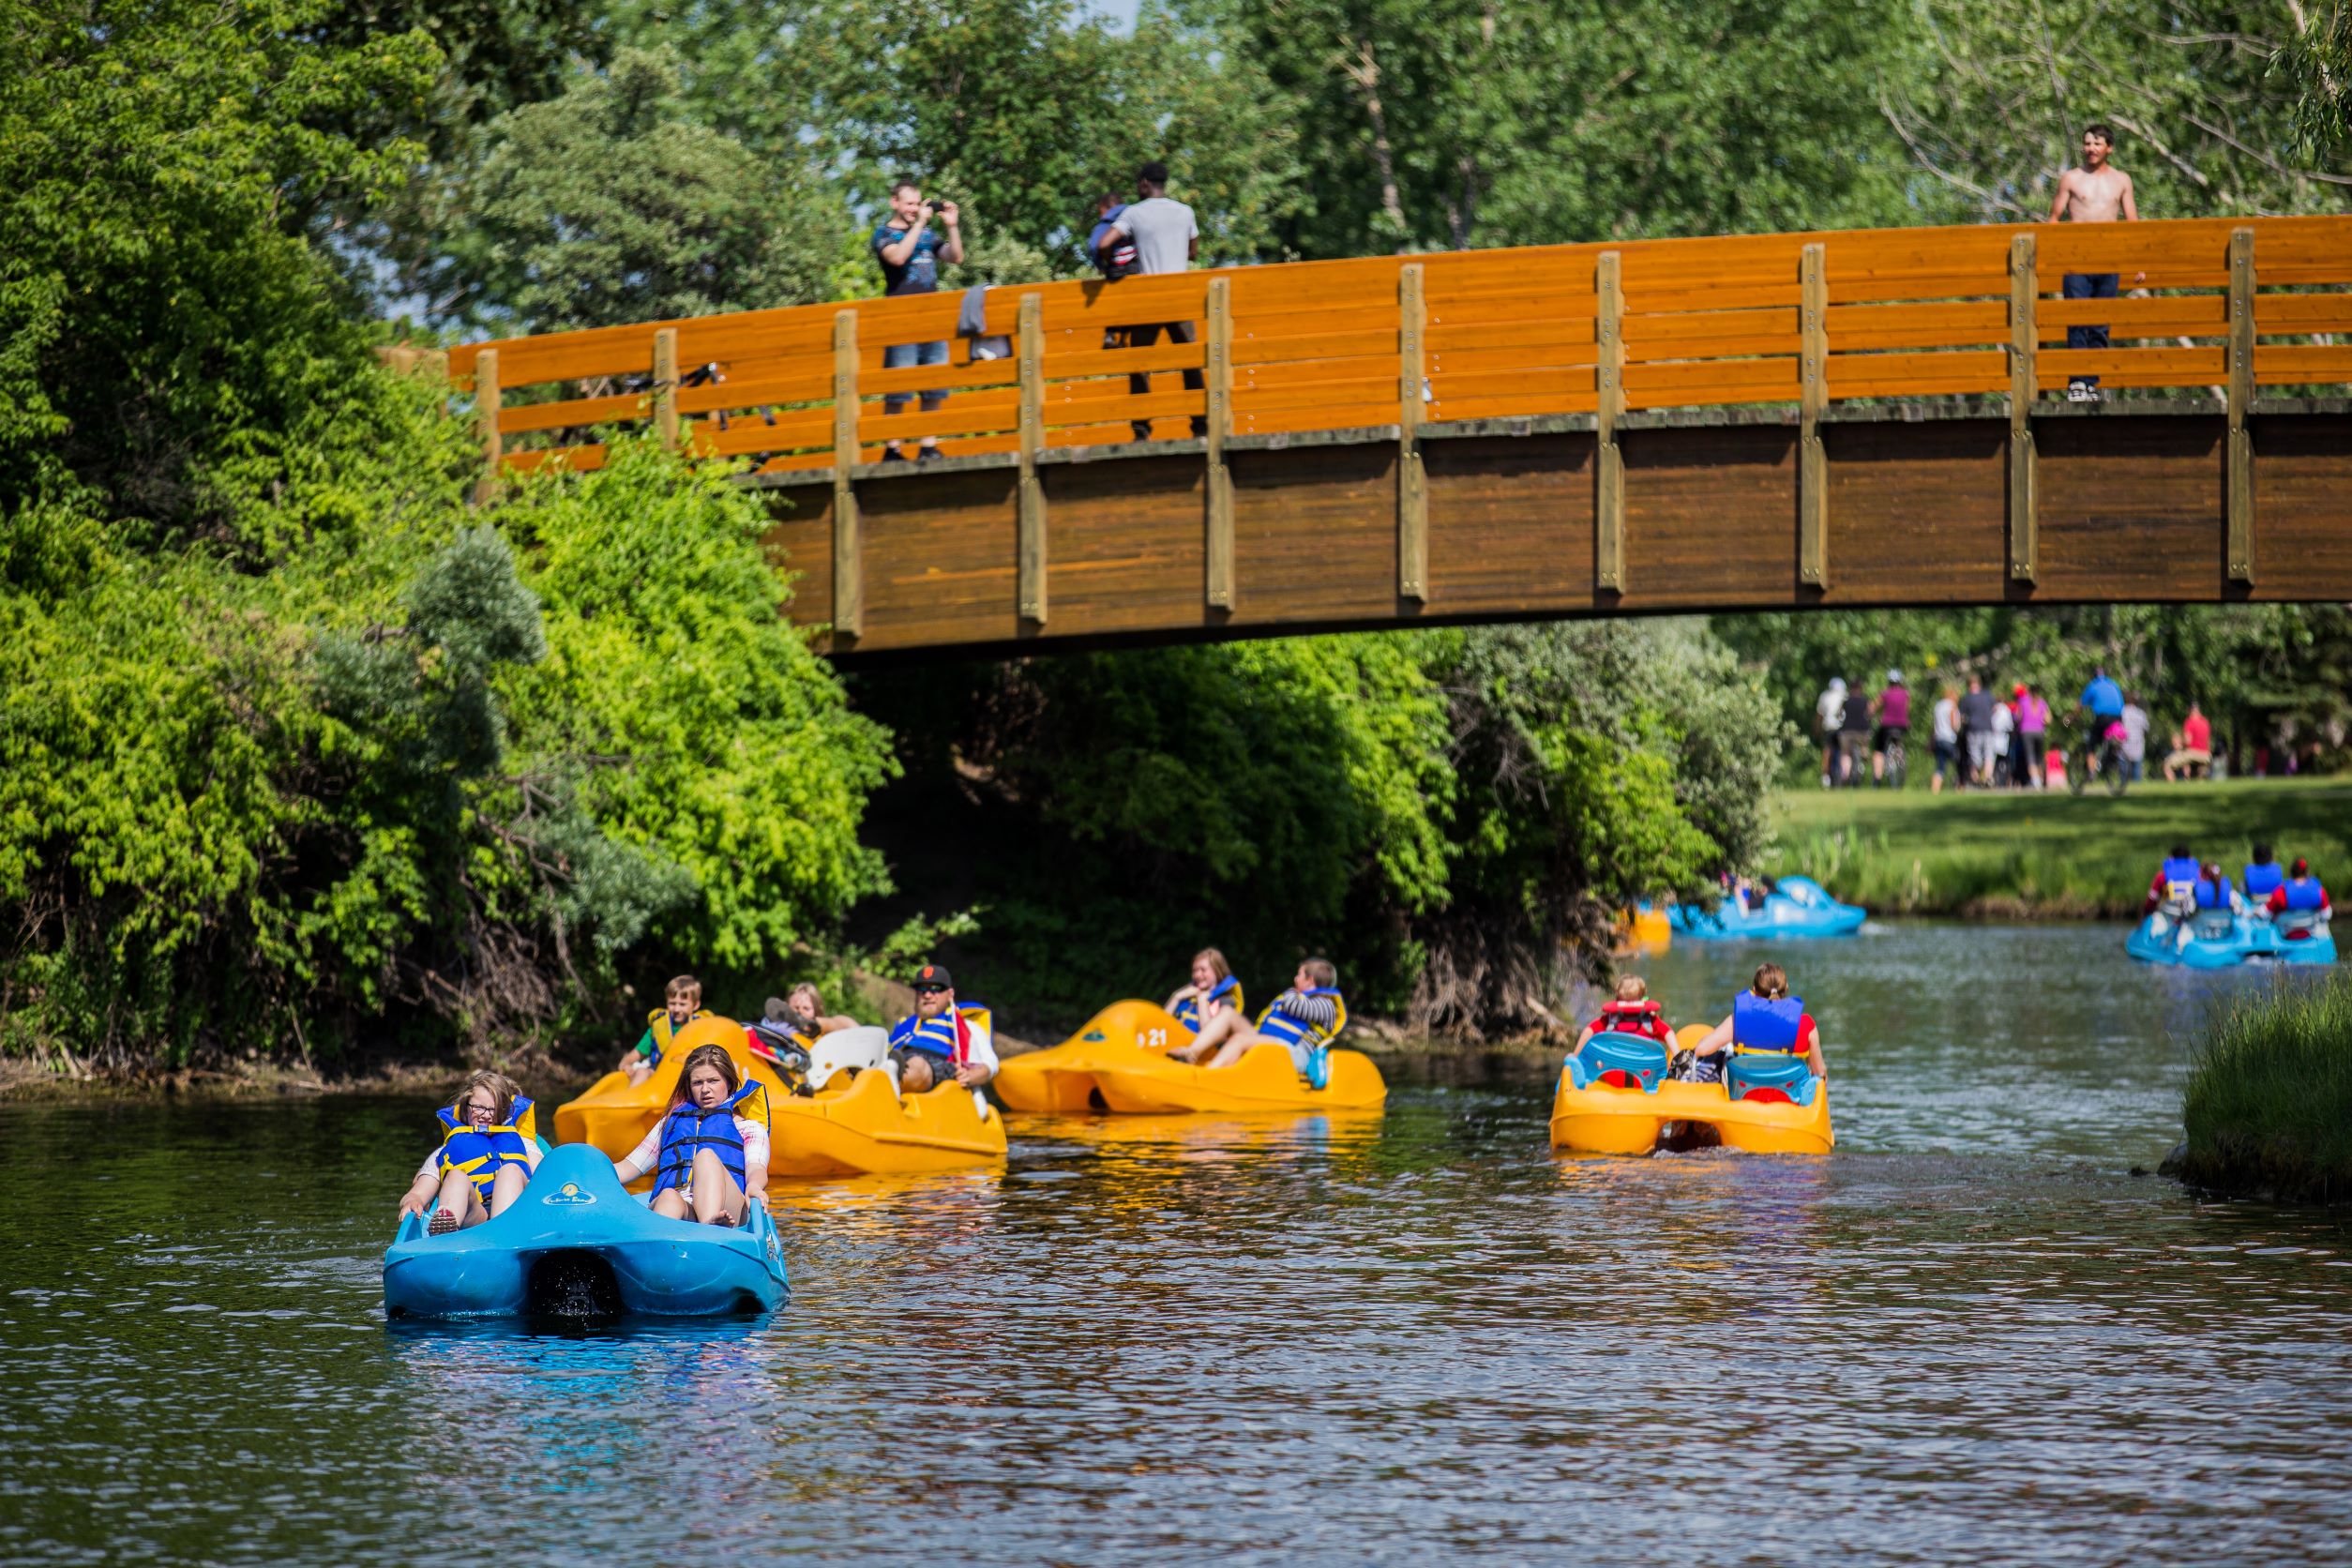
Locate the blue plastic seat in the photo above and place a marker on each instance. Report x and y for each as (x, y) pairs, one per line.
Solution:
(1644, 1061)
(1791, 1075)
(2214, 925)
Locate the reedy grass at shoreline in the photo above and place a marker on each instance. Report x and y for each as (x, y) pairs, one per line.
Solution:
(2047, 855)
(2267, 1109)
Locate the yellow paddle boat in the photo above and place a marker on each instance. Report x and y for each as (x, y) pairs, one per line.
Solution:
(615, 1114)
(1643, 931)
(852, 1121)
(1265, 1079)
(1061, 1078)
(1616, 1099)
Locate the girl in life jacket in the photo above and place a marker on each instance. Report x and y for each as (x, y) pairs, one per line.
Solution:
(1632, 1012)
(1214, 987)
(485, 1160)
(1781, 1025)
(2300, 904)
(708, 1160)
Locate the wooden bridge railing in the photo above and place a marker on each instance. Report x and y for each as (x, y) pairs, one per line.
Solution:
(1401, 342)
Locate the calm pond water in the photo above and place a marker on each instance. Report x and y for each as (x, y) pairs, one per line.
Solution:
(1969, 1335)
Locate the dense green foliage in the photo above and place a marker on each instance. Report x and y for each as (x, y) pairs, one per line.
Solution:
(2269, 1105)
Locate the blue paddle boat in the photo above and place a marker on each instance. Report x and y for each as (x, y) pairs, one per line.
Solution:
(2217, 939)
(579, 1244)
(1796, 906)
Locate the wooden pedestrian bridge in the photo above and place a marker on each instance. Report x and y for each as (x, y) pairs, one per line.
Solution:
(1769, 421)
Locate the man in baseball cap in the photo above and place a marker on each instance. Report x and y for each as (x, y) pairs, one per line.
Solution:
(934, 1045)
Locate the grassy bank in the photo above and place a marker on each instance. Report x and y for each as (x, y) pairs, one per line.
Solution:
(2049, 856)
(2269, 1106)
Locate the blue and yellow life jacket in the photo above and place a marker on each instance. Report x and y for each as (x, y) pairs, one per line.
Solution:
(2181, 877)
(657, 1025)
(1188, 1010)
(1761, 1024)
(1280, 1026)
(688, 1130)
(2304, 893)
(2213, 893)
(941, 1036)
(480, 1151)
(2263, 881)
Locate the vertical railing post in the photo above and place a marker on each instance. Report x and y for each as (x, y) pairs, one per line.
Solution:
(666, 387)
(1412, 480)
(1609, 381)
(2024, 346)
(1221, 494)
(1032, 349)
(485, 403)
(2241, 393)
(1813, 395)
(849, 562)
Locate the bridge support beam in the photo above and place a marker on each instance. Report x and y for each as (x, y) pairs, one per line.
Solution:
(1032, 433)
(2024, 504)
(486, 404)
(1217, 549)
(1813, 399)
(849, 575)
(1608, 460)
(2241, 393)
(1412, 479)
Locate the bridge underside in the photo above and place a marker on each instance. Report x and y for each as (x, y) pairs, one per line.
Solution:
(2131, 507)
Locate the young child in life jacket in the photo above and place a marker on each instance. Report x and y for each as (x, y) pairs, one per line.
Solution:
(681, 1004)
(1213, 989)
(708, 1161)
(1770, 983)
(1632, 1012)
(484, 1161)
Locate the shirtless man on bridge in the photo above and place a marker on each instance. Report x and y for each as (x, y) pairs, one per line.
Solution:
(2098, 192)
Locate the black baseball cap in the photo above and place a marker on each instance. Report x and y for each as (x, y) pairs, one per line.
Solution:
(933, 977)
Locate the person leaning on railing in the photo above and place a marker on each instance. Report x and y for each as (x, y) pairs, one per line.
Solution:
(1166, 239)
(909, 252)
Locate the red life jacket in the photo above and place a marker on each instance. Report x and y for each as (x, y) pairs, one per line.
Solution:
(1634, 1018)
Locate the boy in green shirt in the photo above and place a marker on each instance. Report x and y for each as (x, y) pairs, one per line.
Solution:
(683, 999)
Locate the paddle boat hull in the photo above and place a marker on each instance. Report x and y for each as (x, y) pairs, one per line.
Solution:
(1601, 1117)
(1139, 1081)
(1797, 907)
(1061, 1078)
(2215, 941)
(1644, 931)
(857, 1125)
(615, 1114)
(577, 1242)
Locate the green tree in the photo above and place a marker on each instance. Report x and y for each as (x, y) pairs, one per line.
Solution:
(614, 205)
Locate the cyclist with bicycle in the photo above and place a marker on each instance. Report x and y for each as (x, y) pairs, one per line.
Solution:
(1888, 746)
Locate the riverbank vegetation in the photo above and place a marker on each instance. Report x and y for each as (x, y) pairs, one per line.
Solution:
(2050, 855)
(310, 757)
(2267, 1110)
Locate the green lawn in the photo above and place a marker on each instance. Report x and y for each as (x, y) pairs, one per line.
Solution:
(2049, 855)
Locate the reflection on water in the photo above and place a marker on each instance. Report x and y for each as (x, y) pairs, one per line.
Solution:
(1967, 1335)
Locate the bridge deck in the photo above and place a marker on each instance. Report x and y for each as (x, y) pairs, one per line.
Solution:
(1851, 418)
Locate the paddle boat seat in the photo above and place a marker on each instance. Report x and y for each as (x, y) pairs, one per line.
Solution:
(860, 1048)
(2213, 925)
(1643, 1062)
(1788, 1076)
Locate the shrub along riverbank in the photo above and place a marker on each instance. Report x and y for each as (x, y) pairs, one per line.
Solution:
(2269, 1106)
(2051, 856)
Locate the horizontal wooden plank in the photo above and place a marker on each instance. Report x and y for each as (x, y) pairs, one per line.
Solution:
(1883, 375)
(1517, 405)
(2197, 315)
(1316, 372)
(1713, 348)
(1340, 416)
(1552, 384)
(1363, 389)
(1506, 312)
(2284, 363)
(1678, 299)
(576, 459)
(2278, 313)
(1476, 362)
(1336, 345)
(577, 411)
(1769, 374)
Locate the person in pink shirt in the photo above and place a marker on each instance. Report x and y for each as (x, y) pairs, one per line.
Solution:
(2196, 751)
(2033, 737)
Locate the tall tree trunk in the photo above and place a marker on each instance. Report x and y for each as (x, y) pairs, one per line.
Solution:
(1364, 72)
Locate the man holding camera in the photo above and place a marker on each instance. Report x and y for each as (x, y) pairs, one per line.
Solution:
(909, 251)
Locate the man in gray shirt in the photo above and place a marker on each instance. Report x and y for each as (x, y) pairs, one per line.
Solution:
(1166, 239)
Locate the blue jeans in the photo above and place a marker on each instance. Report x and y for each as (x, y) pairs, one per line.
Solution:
(903, 356)
(2089, 285)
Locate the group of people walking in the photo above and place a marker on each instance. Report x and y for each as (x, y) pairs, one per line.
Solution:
(1981, 739)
